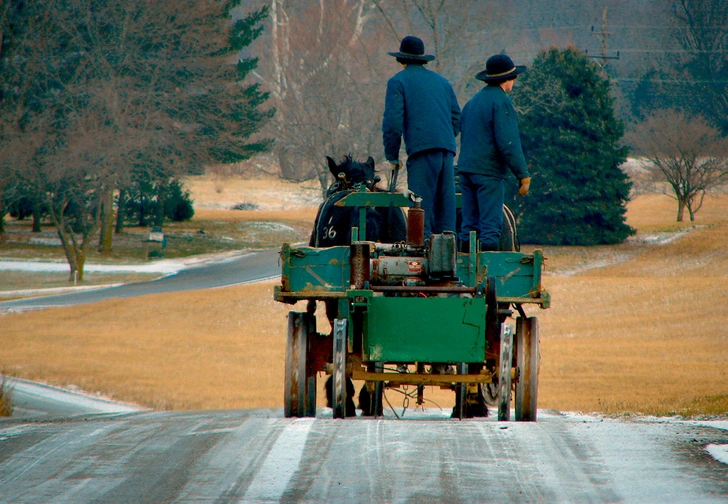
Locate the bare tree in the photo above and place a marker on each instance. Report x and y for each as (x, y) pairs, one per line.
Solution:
(687, 153)
(461, 34)
(701, 30)
(320, 64)
(93, 90)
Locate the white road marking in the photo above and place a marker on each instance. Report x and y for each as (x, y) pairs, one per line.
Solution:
(281, 463)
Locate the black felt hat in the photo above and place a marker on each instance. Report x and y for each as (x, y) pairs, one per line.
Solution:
(500, 68)
(413, 49)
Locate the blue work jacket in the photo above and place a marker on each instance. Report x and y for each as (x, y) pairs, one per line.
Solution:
(490, 143)
(420, 106)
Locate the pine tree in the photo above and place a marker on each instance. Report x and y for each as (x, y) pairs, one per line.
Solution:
(571, 140)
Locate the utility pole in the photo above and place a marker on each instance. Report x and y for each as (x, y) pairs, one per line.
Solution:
(603, 35)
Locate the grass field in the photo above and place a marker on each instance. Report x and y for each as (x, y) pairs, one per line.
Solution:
(633, 328)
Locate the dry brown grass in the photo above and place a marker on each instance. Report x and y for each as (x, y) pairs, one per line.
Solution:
(640, 336)
(220, 348)
(645, 335)
(635, 345)
(266, 191)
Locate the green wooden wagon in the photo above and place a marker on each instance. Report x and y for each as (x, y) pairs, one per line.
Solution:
(413, 314)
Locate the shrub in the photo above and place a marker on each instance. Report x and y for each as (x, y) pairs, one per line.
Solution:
(177, 204)
(244, 206)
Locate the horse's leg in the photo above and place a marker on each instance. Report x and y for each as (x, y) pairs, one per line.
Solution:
(350, 406)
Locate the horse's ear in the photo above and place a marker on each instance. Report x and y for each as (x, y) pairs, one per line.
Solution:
(369, 168)
(333, 168)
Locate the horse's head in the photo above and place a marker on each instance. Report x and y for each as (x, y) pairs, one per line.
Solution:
(349, 173)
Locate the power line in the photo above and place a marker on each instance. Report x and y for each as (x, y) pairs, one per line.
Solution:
(670, 81)
(674, 51)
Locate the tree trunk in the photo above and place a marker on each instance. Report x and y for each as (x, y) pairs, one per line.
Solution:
(120, 212)
(80, 262)
(289, 171)
(142, 212)
(36, 215)
(68, 248)
(107, 221)
(680, 210)
(2, 216)
(159, 209)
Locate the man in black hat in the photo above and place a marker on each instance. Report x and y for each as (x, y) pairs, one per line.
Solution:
(421, 106)
(490, 146)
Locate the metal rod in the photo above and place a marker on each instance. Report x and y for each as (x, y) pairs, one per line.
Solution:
(420, 379)
(424, 289)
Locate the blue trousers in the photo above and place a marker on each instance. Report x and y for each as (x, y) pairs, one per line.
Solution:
(482, 208)
(431, 175)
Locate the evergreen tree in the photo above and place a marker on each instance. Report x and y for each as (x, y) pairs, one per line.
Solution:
(571, 140)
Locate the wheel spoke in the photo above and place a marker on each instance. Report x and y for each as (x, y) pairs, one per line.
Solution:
(504, 375)
(339, 369)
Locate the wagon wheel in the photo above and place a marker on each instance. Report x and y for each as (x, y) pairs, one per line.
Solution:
(504, 374)
(528, 364)
(310, 321)
(300, 385)
(492, 319)
(339, 369)
(493, 325)
(490, 392)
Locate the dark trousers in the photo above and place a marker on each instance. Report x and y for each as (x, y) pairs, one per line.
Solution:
(482, 209)
(431, 175)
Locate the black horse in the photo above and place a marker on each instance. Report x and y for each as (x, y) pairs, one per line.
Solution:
(333, 224)
(333, 227)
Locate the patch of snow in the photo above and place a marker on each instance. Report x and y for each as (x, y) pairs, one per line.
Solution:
(715, 424)
(76, 397)
(272, 226)
(580, 417)
(596, 264)
(658, 238)
(635, 165)
(164, 266)
(718, 452)
(46, 241)
(167, 267)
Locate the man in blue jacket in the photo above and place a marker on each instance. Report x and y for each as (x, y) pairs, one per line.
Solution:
(421, 106)
(490, 145)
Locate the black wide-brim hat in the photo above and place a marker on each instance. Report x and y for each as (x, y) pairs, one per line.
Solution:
(412, 48)
(500, 68)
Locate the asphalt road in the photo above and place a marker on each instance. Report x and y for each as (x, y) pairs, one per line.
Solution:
(246, 268)
(257, 456)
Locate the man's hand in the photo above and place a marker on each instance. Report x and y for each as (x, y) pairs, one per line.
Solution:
(395, 165)
(525, 186)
